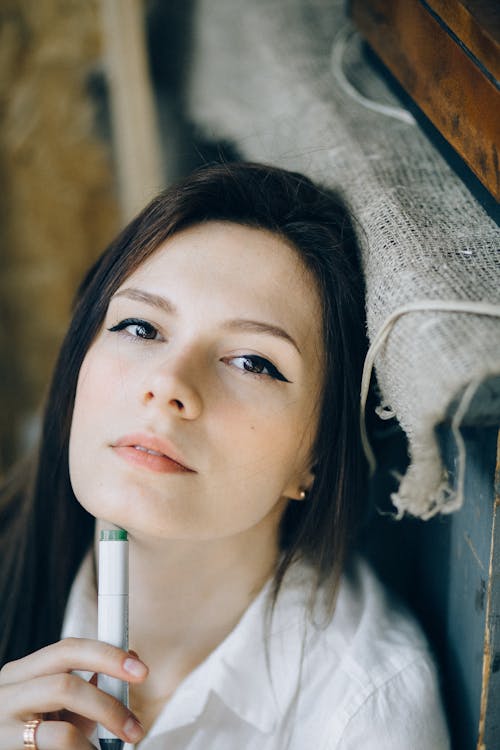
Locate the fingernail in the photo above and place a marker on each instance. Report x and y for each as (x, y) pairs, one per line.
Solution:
(135, 667)
(133, 729)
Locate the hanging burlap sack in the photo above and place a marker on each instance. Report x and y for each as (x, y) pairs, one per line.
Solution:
(290, 83)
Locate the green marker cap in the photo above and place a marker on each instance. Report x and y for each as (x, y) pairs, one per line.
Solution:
(113, 535)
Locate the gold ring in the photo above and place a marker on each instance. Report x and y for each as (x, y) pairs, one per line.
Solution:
(29, 734)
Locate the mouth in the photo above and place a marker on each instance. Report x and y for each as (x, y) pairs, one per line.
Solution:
(152, 452)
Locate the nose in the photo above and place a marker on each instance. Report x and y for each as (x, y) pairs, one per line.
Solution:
(171, 386)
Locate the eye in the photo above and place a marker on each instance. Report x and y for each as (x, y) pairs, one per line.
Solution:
(256, 365)
(137, 328)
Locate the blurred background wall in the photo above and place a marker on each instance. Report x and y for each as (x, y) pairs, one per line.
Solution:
(59, 205)
(80, 153)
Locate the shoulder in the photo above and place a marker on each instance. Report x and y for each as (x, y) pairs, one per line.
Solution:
(368, 672)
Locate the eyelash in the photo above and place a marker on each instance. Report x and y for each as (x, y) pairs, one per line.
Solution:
(272, 371)
(255, 359)
(139, 323)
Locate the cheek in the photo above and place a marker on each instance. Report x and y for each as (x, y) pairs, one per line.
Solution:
(265, 444)
(102, 385)
(95, 390)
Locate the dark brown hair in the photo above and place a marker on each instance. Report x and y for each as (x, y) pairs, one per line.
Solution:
(45, 532)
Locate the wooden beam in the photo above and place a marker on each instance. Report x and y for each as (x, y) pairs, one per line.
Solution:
(136, 141)
(452, 85)
(477, 24)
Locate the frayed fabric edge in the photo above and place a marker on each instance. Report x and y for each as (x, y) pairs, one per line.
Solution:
(426, 489)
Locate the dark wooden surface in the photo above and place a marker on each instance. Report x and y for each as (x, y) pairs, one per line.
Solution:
(458, 597)
(446, 55)
(470, 601)
(448, 571)
(490, 698)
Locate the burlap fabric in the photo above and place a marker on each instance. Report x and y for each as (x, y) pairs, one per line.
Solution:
(285, 82)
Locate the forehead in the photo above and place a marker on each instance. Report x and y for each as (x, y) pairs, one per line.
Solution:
(232, 268)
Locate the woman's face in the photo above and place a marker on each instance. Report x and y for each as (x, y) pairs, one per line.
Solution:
(197, 403)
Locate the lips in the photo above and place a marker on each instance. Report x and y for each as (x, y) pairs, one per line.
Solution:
(152, 452)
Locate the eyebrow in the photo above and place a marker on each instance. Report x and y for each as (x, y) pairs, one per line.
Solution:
(162, 303)
(257, 326)
(150, 299)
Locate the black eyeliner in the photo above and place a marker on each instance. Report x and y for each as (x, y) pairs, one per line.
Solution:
(273, 370)
(128, 322)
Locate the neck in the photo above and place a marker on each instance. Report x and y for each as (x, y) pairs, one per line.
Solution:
(182, 591)
(185, 598)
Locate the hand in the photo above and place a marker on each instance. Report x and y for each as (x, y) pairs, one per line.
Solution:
(41, 686)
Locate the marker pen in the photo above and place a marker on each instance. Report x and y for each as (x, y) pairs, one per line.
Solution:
(112, 617)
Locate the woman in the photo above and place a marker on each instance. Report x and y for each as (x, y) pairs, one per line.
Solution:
(206, 400)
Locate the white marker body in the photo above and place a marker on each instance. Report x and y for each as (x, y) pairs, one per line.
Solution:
(112, 621)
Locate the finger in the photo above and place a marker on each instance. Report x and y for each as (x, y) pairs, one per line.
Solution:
(60, 735)
(50, 735)
(75, 653)
(69, 692)
(86, 726)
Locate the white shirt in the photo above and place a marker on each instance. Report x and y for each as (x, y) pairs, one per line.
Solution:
(363, 681)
